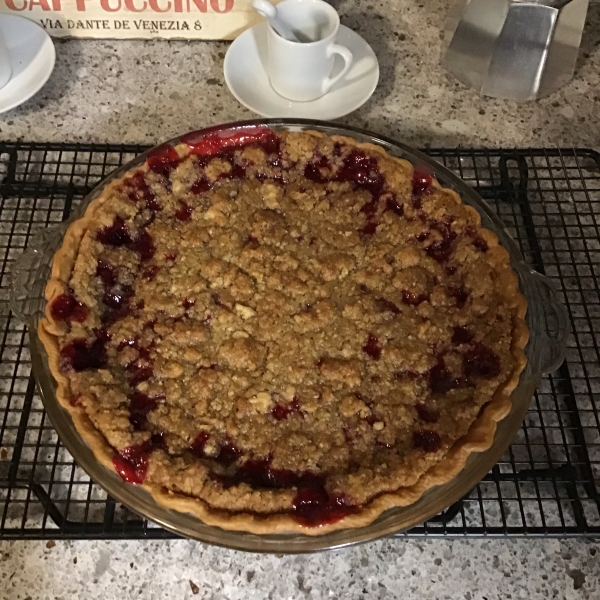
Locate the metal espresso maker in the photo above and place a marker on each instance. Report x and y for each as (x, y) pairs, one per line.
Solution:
(514, 49)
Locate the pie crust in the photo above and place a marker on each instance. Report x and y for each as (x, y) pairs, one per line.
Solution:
(303, 445)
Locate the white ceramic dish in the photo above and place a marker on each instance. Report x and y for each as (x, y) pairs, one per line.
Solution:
(32, 55)
(246, 76)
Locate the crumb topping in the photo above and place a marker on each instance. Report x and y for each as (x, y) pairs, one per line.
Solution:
(283, 324)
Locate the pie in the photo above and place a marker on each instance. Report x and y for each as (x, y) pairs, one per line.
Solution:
(283, 331)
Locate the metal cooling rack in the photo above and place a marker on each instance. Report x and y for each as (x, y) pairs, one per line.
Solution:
(546, 484)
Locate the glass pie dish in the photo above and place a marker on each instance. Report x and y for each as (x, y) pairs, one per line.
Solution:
(546, 319)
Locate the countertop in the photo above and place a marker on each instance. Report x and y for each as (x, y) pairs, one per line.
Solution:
(146, 91)
(384, 570)
(121, 91)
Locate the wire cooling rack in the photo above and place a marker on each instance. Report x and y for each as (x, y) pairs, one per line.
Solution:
(547, 482)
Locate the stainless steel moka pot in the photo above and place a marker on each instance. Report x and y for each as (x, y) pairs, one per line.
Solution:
(514, 49)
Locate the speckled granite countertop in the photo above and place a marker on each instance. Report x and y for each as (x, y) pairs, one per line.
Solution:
(407, 570)
(148, 91)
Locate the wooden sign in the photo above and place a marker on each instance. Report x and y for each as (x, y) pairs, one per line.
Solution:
(146, 19)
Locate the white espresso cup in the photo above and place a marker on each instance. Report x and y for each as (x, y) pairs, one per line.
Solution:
(5, 64)
(301, 71)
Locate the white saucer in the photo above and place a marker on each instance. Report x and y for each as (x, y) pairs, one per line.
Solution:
(32, 56)
(246, 76)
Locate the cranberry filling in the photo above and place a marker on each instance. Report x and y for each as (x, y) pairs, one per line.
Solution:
(314, 170)
(429, 441)
(313, 506)
(139, 406)
(131, 342)
(421, 184)
(359, 169)
(140, 369)
(370, 208)
(461, 335)
(201, 186)
(141, 192)
(118, 296)
(283, 411)
(413, 299)
(481, 361)
(187, 303)
(237, 171)
(441, 380)
(138, 373)
(477, 240)
(107, 273)
(427, 414)
(67, 308)
(144, 245)
(213, 144)
(118, 301)
(131, 463)
(459, 293)
(163, 160)
(372, 348)
(480, 244)
(159, 440)
(370, 228)
(184, 212)
(118, 234)
(393, 205)
(271, 144)
(150, 273)
(81, 355)
(197, 447)
(443, 248)
(227, 452)
(258, 473)
(363, 171)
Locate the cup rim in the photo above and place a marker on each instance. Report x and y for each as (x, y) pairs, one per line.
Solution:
(328, 7)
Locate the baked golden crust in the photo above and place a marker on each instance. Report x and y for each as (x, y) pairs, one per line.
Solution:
(290, 322)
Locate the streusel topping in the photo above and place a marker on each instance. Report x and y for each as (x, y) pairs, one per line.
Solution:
(283, 323)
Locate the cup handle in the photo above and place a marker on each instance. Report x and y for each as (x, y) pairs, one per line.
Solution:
(347, 56)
